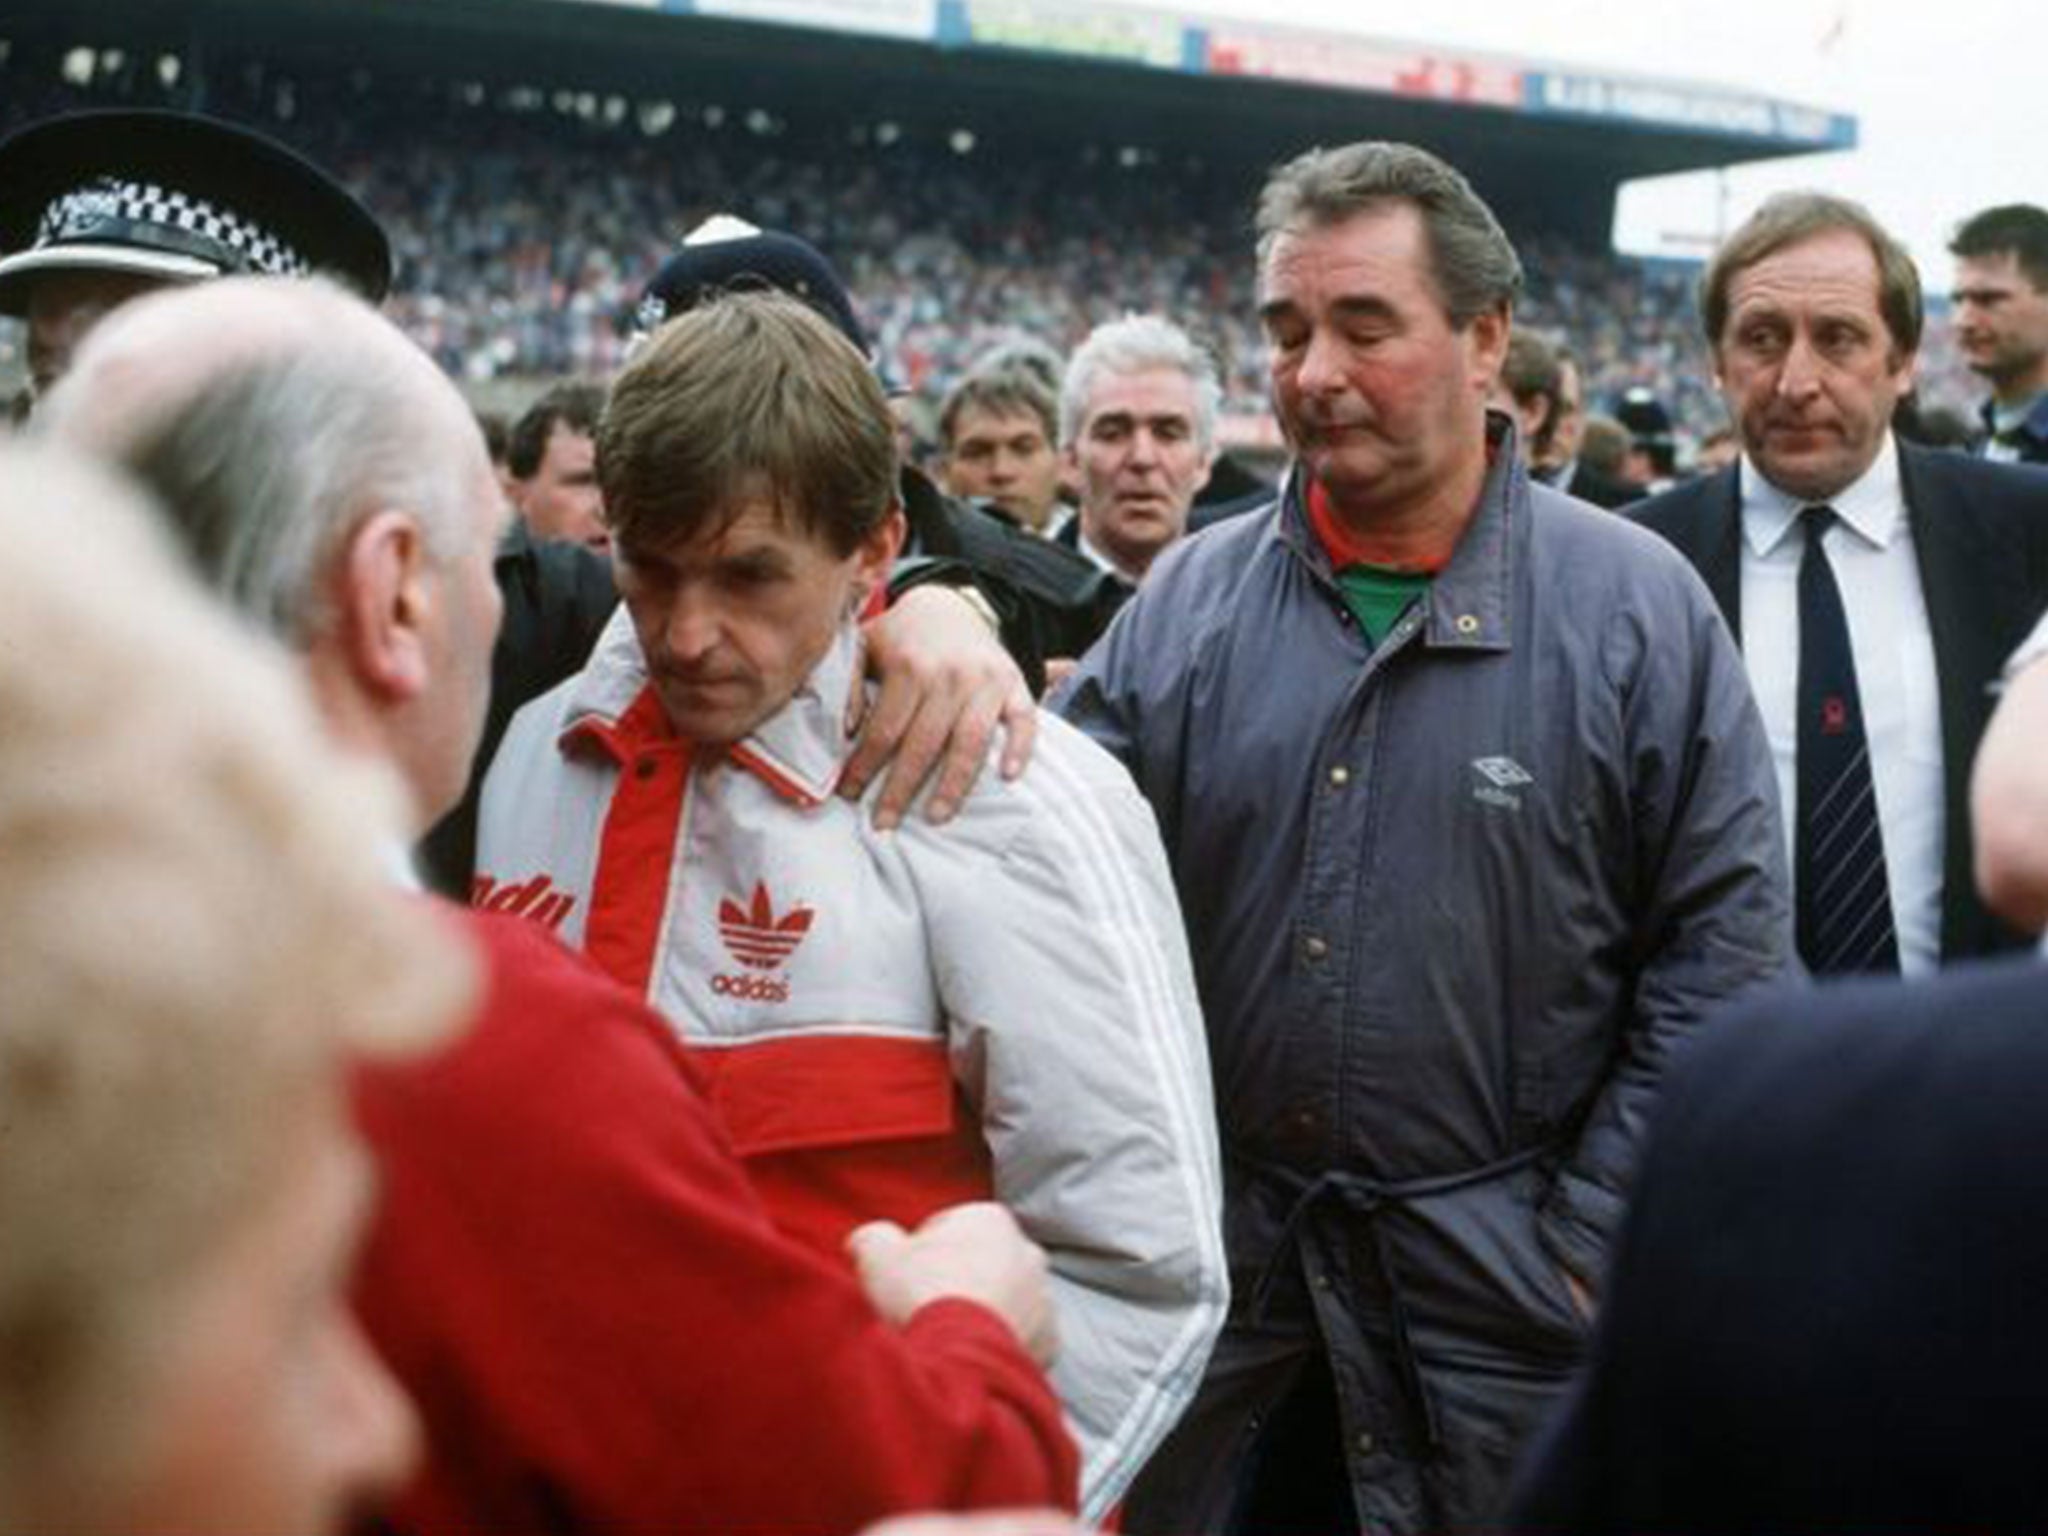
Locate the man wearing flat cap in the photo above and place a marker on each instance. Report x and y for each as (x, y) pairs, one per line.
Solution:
(99, 207)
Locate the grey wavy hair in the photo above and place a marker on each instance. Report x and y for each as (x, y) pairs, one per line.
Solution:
(1471, 259)
(1137, 344)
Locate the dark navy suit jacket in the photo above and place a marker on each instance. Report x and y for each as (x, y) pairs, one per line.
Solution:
(1980, 532)
(1828, 1306)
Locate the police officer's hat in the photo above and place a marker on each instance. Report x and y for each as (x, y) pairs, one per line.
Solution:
(1648, 423)
(726, 255)
(171, 195)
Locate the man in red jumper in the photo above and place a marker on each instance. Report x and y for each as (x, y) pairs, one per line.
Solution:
(601, 1326)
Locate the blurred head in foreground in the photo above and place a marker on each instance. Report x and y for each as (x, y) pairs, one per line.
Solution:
(197, 936)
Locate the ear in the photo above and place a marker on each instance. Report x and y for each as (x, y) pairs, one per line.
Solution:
(873, 556)
(1489, 333)
(388, 592)
(1209, 458)
(1906, 370)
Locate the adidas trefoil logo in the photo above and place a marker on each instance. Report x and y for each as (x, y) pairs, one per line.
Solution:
(756, 936)
(761, 941)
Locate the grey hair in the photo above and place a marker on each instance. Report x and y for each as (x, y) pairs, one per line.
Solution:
(1136, 344)
(1471, 259)
(268, 457)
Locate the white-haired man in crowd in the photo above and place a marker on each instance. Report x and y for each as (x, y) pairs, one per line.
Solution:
(1138, 412)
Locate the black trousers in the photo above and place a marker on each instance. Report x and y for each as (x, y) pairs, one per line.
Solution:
(1295, 1481)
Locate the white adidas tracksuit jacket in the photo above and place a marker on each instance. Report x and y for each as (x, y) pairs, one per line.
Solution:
(893, 1021)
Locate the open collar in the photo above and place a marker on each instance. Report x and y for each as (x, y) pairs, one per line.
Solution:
(798, 751)
(1469, 604)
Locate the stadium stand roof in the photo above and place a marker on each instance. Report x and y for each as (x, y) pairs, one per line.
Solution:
(1548, 144)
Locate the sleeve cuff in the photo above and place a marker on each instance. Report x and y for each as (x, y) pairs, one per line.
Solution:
(2031, 650)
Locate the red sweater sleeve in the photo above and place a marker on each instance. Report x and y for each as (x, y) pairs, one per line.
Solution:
(604, 1331)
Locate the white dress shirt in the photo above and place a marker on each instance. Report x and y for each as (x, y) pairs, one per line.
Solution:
(1101, 557)
(1870, 548)
(2031, 650)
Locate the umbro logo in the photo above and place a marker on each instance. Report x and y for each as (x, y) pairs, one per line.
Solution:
(1502, 772)
(1503, 776)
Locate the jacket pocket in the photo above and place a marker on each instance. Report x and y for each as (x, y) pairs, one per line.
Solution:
(824, 1090)
(837, 1130)
(1484, 1279)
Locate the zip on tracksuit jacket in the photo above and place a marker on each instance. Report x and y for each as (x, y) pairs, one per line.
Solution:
(893, 1022)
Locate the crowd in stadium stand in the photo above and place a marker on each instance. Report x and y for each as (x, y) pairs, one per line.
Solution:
(1242, 1109)
(525, 230)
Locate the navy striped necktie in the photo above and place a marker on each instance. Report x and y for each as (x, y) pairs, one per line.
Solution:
(1844, 905)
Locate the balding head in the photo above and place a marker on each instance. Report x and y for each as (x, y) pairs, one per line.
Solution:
(328, 482)
(270, 415)
(169, 344)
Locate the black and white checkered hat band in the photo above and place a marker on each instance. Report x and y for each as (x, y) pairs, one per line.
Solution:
(111, 211)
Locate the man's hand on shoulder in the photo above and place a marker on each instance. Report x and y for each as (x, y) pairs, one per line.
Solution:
(946, 684)
(967, 1252)
(1057, 670)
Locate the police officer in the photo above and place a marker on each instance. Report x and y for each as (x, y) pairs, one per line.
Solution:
(97, 208)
